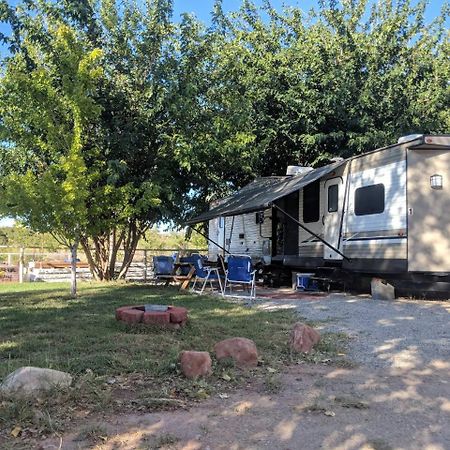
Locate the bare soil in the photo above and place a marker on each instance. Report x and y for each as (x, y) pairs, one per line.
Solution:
(395, 395)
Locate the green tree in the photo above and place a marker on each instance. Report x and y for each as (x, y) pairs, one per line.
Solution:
(46, 109)
(129, 174)
(339, 80)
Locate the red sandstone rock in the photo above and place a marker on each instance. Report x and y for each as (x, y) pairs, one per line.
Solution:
(303, 338)
(156, 318)
(131, 316)
(242, 350)
(178, 314)
(195, 364)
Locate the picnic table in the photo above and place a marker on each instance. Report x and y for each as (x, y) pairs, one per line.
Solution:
(177, 277)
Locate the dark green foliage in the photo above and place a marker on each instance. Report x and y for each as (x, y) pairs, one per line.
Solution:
(339, 81)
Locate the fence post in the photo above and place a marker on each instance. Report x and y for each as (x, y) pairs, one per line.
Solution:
(145, 266)
(9, 259)
(21, 263)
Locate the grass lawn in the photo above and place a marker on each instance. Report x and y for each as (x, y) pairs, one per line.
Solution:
(41, 326)
(117, 367)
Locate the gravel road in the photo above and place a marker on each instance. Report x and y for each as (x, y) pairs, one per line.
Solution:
(402, 334)
(396, 334)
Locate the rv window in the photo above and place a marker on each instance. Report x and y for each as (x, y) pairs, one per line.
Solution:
(311, 202)
(369, 200)
(221, 222)
(333, 196)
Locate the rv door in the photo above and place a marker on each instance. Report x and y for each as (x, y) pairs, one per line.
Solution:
(334, 193)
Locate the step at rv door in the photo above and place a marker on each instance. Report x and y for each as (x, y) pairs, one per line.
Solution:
(331, 219)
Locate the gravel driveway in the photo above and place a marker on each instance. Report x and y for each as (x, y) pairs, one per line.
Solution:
(386, 334)
(400, 334)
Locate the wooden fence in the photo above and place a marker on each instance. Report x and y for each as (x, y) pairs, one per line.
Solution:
(49, 264)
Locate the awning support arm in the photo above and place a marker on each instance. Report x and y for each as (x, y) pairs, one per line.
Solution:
(311, 232)
(210, 240)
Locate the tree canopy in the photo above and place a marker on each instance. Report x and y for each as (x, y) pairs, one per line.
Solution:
(114, 116)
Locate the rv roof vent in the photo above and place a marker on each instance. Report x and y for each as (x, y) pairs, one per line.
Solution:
(409, 137)
(297, 170)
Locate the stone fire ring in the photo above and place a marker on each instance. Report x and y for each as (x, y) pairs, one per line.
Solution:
(173, 317)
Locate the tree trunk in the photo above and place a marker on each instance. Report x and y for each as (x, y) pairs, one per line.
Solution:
(129, 250)
(101, 252)
(92, 265)
(73, 269)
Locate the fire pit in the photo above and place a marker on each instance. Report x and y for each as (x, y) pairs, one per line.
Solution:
(162, 315)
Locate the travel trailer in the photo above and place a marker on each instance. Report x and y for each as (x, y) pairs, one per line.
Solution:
(383, 212)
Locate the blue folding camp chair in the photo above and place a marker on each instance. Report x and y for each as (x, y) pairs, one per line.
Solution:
(184, 270)
(240, 271)
(205, 274)
(163, 267)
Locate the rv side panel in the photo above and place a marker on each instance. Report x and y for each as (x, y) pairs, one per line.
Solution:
(216, 233)
(428, 211)
(375, 228)
(244, 236)
(379, 158)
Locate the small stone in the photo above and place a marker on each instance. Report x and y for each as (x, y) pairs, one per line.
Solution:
(242, 350)
(303, 338)
(29, 380)
(195, 364)
(16, 431)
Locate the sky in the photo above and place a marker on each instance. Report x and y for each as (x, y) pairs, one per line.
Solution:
(202, 9)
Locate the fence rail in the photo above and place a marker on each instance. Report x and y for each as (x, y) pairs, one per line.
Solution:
(36, 264)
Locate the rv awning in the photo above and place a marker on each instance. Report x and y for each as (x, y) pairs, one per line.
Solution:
(261, 193)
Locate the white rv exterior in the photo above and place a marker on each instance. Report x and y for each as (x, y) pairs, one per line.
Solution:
(380, 210)
(375, 235)
(241, 235)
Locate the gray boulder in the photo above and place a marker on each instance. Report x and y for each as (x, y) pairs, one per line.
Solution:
(29, 380)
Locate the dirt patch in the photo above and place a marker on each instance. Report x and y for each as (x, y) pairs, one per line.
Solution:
(316, 406)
